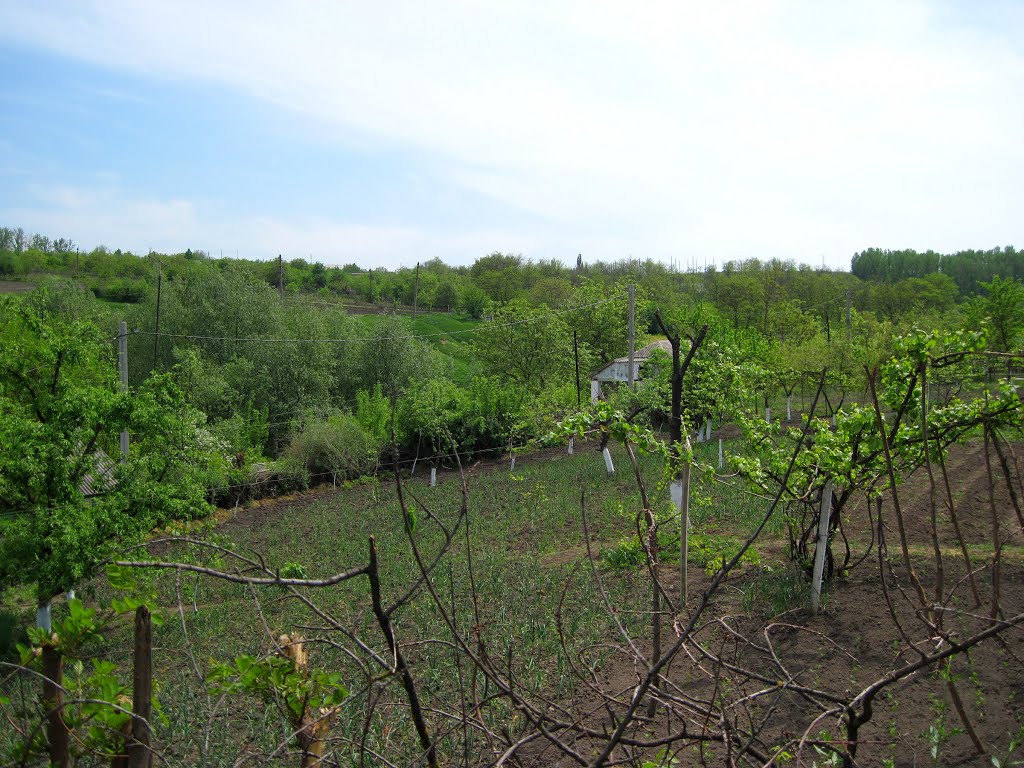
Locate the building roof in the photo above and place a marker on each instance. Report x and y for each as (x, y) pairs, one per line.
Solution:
(639, 356)
(101, 478)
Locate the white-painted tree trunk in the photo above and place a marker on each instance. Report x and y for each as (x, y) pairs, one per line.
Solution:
(43, 616)
(820, 546)
(608, 461)
(433, 476)
(833, 420)
(789, 407)
(70, 594)
(595, 391)
(571, 439)
(768, 415)
(707, 429)
(721, 455)
(513, 463)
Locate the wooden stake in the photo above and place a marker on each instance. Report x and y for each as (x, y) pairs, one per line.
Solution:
(53, 702)
(140, 755)
(820, 547)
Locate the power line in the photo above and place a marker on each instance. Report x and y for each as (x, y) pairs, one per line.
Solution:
(478, 329)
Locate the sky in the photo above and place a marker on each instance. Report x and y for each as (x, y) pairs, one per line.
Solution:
(389, 133)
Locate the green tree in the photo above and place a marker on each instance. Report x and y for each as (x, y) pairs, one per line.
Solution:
(67, 505)
(1002, 307)
(528, 346)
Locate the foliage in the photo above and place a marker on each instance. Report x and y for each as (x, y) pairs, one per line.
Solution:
(336, 445)
(60, 412)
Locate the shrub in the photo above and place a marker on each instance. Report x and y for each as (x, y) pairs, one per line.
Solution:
(337, 446)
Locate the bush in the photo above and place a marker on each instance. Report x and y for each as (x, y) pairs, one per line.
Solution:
(336, 446)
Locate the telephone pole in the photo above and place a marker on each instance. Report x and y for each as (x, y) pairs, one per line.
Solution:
(416, 291)
(632, 333)
(849, 324)
(280, 276)
(156, 335)
(122, 365)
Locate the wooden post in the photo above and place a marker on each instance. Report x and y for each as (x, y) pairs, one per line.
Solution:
(632, 334)
(416, 291)
(576, 354)
(849, 324)
(140, 754)
(156, 334)
(820, 546)
(280, 276)
(53, 703)
(122, 365)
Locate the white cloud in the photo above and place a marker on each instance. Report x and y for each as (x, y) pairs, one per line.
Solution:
(745, 128)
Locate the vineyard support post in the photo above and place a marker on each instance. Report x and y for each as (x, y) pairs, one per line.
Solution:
(821, 546)
(608, 461)
(571, 443)
(721, 454)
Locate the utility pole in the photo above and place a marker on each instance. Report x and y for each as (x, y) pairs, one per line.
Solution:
(416, 291)
(632, 333)
(280, 276)
(122, 364)
(156, 335)
(576, 354)
(849, 325)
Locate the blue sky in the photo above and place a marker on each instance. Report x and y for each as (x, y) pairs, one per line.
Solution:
(698, 132)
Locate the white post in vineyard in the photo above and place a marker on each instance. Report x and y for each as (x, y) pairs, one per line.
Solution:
(571, 440)
(768, 414)
(820, 546)
(789, 407)
(707, 430)
(721, 454)
(433, 476)
(608, 462)
(681, 498)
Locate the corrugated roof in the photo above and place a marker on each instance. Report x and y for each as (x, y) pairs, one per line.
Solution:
(101, 478)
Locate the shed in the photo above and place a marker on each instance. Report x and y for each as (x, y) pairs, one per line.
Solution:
(618, 369)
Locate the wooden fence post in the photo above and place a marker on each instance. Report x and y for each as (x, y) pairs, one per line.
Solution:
(53, 702)
(140, 754)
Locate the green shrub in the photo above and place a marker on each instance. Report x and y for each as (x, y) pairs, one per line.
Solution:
(336, 446)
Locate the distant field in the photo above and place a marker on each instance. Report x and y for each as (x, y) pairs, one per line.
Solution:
(13, 286)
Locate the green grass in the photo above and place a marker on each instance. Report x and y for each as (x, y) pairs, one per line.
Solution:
(528, 549)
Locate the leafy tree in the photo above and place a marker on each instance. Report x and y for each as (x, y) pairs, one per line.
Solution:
(528, 346)
(61, 409)
(1003, 308)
